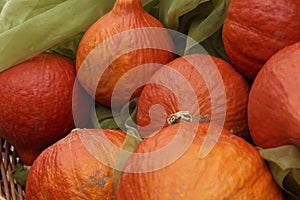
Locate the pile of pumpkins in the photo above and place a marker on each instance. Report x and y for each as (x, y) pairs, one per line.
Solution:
(199, 117)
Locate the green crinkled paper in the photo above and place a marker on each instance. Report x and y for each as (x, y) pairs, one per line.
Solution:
(20, 173)
(201, 20)
(124, 119)
(30, 27)
(284, 163)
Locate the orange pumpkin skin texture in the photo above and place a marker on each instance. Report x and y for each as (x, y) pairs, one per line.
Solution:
(67, 170)
(232, 170)
(36, 103)
(274, 100)
(125, 15)
(175, 97)
(254, 30)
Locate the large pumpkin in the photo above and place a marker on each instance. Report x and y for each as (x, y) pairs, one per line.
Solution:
(233, 169)
(120, 49)
(79, 166)
(37, 99)
(254, 30)
(274, 101)
(203, 85)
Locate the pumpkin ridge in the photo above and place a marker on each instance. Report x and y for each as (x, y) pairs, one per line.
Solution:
(258, 32)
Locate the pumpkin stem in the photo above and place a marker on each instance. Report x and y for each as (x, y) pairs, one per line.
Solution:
(127, 5)
(185, 116)
(179, 117)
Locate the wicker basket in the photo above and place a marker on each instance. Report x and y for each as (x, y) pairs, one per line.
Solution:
(10, 189)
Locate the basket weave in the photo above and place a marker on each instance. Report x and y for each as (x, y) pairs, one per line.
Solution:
(10, 189)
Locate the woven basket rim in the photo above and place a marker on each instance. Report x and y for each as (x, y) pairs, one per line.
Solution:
(10, 189)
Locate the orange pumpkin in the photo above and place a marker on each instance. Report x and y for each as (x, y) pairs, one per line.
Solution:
(115, 45)
(36, 103)
(254, 30)
(232, 170)
(215, 85)
(78, 167)
(274, 100)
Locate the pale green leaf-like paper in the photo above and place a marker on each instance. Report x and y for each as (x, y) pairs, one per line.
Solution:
(30, 27)
(69, 47)
(170, 11)
(2, 3)
(201, 20)
(152, 7)
(20, 173)
(284, 163)
(202, 28)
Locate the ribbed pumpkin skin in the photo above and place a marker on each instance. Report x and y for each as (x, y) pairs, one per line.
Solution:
(172, 95)
(125, 15)
(274, 100)
(66, 170)
(36, 103)
(254, 30)
(232, 170)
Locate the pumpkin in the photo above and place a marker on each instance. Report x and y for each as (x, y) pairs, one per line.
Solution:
(274, 100)
(82, 104)
(207, 87)
(254, 30)
(36, 103)
(125, 44)
(233, 169)
(79, 166)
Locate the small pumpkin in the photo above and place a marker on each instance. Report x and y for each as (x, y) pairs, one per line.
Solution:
(274, 100)
(233, 169)
(218, 89)
(254, 30)
(36, 102)
(115, 45)
(78, 167)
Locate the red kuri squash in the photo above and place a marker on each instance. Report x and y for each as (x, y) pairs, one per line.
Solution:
(232, 170)
(78, 167)
(207, 87)
(114, 47)
(254, 30)
(274, 100)
(36, 103)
